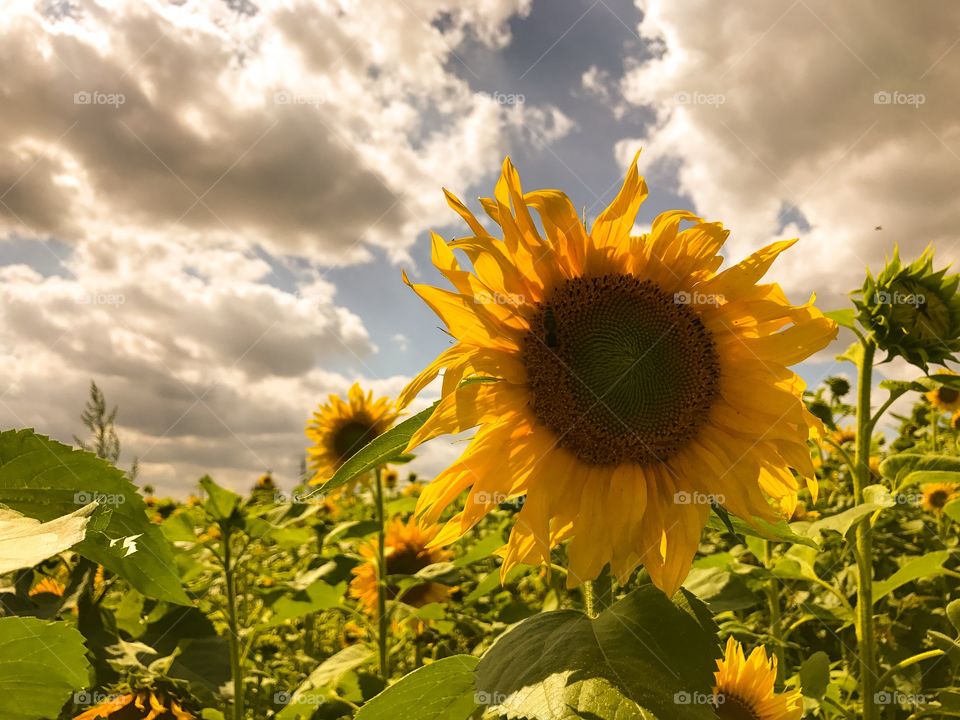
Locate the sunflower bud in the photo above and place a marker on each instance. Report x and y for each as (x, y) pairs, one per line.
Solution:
(912, 311)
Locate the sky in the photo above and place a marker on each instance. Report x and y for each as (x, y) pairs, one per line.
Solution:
(206, 206)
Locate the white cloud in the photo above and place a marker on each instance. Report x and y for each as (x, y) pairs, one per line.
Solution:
(766, 113)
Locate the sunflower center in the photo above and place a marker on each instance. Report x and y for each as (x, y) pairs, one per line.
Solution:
(734, 708)
(408, 562)
(938, 498)
(620, 370)
(948, 396)
(350, 437)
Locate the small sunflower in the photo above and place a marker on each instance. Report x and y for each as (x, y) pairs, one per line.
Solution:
(407, 551)
(844, 435)
(140, 705)
(48, 586)
(390, 478)
(937, 495)
(338, 429)
(944, 399)
(744, 687)
(623, 382)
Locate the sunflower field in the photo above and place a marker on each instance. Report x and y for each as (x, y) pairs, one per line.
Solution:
(651, 515)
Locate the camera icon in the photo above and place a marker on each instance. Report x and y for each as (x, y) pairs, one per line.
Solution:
(82, 98)
(682, 497)
(883, 698)
(282, 698)
(82, 497)
(281, 98)
(83, 698)
(682, 298)
(884, 298)
(882, 98)
(682, 698)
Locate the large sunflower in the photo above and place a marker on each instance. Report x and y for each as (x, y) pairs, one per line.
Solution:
(744, 687)
(141, 705)
(627, 382)
(407, 551)
(338, 429)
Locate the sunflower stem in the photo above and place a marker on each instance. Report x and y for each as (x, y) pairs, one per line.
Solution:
(864, 550)
(589, 605)
(934, 427)
(382, 620)
(236, 664)
(773, 600)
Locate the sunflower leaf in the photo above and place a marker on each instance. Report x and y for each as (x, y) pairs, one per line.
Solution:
(442, 690)
(845, 318)
(382, 449)
(779, 532)
(43, 663)
(916, 568)
(642, 653)
(44, 479)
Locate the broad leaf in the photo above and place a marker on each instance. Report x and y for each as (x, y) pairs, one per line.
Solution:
(926, 565)
(316, 597)
(815, 675)
(642, 653)
(41, 665)
(382, 449)
(442, 690)
(221, 503)
(845, 318)
(44, 479)
(780, 532)
(313, 691)
(899, 466)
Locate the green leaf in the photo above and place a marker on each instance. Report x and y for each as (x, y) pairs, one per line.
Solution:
(920, 477)
(900, 387)
(221, 503)
(44, 479)
(780, 531)
(42, 663)
(721, 590)
(953, 614)
(853, 354)
(919, 567)
(382, 449)
(313, 691)
(815, 675)
(845, 318)
(318, 596)
(442, 690)
(24, 541)
(491, 582)
(643, 652)
(842, 522)
(952, 510)
(947, 380)
(900, 465)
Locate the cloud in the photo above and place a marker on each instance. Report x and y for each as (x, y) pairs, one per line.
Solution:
(807, 118)
(317, 129)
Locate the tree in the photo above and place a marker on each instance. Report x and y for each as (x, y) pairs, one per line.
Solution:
(102, 425)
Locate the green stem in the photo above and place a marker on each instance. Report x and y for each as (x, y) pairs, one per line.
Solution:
(382, 619)
(236, 666)
(864, 549)
(912, 660)
(934, 427)
(589, 605)
(773, 600)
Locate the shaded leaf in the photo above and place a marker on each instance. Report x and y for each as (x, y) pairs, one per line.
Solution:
(442, 690)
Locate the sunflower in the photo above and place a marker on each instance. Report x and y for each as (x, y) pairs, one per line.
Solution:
(48, 586)
(621, 382)
(944, 399)
(744, 687)
(407, 551)
(844, 435)
(937, 495)
(140, 705)
(338, 429)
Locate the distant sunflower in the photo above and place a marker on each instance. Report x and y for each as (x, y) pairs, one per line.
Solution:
(844, 435)
(625, 382)
(49, 586)
(140, 705)
(937, 495)
(407, 552)
(944, 399)
(338, 429)
(744, 687)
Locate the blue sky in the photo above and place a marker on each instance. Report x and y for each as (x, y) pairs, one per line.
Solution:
(208, 211)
